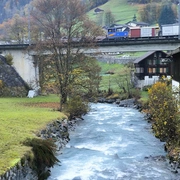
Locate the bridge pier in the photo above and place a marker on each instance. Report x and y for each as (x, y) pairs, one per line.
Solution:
(25, 65)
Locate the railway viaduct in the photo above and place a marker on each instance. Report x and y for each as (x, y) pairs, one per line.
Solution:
(24, 60)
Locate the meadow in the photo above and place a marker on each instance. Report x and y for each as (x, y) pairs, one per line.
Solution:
(22, 118)
(122, 11)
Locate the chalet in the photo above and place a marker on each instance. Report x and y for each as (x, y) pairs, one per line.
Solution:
(150, 67)
(175, 57)
(135, 23)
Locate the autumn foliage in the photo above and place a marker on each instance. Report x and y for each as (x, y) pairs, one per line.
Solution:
(163, 109)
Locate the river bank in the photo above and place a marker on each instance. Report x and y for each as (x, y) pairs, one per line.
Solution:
(59, 131)
(173, 151)
(113, 142)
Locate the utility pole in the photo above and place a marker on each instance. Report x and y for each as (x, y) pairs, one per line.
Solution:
(29, 27)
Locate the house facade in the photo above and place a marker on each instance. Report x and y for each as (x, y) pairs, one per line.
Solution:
(150, 67)
(175, 56)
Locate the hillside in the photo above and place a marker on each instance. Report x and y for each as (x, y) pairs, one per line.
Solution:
(121, 10)
(10, 7)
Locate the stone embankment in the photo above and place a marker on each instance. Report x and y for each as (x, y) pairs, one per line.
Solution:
(57, 130)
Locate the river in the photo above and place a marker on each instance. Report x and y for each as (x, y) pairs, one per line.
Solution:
(113, 143)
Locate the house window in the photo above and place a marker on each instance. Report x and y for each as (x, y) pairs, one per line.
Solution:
(139, 70)
(163, 70)
(160, 55)
(152, 62)
(151, 70)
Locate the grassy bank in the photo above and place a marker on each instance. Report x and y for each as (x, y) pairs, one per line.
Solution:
(21, 118)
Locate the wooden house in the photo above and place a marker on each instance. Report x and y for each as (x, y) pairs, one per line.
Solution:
(150, 67)
(175, 58)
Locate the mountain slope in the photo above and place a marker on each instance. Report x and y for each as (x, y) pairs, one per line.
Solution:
(121, 10)
(9, 7)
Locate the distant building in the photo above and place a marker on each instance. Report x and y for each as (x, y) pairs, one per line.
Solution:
(135, 23)
(150, 67)
(98, 10)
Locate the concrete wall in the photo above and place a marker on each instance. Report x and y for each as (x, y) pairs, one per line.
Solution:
(24, 65)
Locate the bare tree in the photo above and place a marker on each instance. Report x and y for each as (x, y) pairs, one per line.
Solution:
(63, 24)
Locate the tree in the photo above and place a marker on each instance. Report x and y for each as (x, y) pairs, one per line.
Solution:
(58, 19)
(109, 18)
(124, 81)
(163, 109)
(150, 13)
(18, 29)
(167, 15)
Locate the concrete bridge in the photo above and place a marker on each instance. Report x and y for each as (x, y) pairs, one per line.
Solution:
(24, 61)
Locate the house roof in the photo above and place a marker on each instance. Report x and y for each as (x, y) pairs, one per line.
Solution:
(145, 56)
(176, 51)
(138, 23)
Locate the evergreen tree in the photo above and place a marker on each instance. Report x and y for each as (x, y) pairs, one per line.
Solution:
(167, 15)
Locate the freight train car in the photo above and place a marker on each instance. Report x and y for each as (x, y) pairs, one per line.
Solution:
(143, 32)
(169, 30)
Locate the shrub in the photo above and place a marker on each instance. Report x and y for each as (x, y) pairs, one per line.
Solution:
(76, 107)
(9, 59)
(44, 155)
(163, 109)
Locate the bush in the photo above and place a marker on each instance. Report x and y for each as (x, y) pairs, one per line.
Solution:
(76, 107)
(163, 109)
(44, 156)
(9, 59)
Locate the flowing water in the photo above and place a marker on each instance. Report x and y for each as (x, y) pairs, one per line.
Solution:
(113, 143)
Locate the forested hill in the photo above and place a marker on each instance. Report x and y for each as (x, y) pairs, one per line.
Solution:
(9, 7)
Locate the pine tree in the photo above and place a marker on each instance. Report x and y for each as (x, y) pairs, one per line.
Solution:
(167, 15)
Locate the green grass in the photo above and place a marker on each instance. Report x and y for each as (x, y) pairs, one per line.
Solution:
(144, 96)
(110, 80)
(121, 10)
(19, 119)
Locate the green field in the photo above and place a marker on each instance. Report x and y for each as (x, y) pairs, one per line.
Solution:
(110, 80)
(121, 10)
(21, 118)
